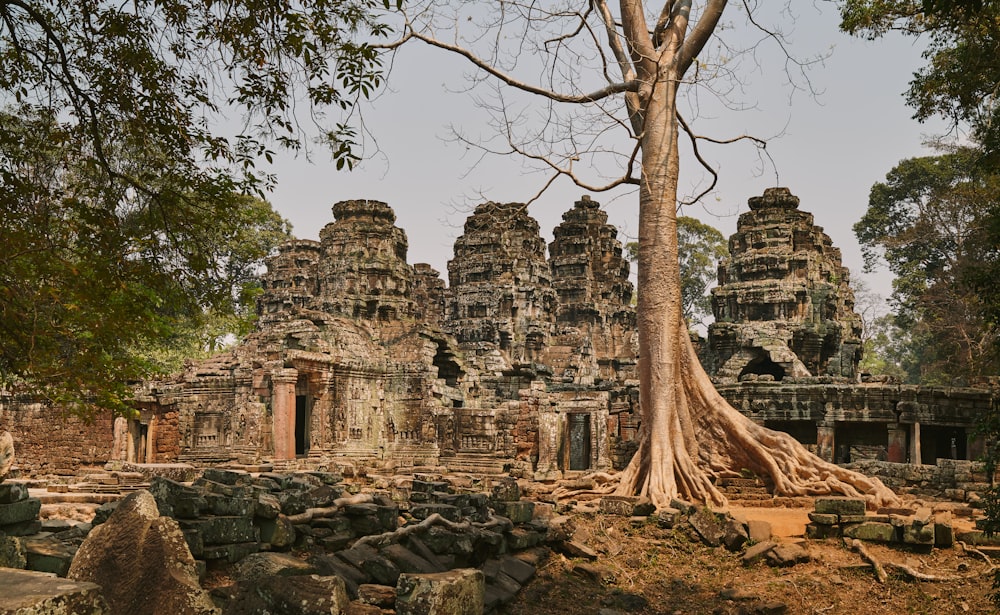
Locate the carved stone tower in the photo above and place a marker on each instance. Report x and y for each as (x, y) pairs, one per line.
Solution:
(290, 280)
(363, 273)
(783, 307)
(499, 285)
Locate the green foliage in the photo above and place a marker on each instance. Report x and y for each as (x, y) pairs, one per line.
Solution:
(89, 277)
(699, 248)
(926, 222)
(128, 134)
(962, 74)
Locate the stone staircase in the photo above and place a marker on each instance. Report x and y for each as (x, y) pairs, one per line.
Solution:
(748, 492)
(476, 463)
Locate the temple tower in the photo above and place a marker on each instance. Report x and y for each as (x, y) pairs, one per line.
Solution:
(784, 306)
(499, 283)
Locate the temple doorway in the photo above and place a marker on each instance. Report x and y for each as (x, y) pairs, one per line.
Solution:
(579, 441)
(301, 425)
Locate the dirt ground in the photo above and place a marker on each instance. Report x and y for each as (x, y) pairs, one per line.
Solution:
(647, 570)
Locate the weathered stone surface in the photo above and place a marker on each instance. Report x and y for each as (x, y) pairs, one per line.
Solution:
(518, 512)
(783, 306)
(708, 527)
(408, 561)
(277, 532)
(826, 518)
(12, 553)
(6, 454)
(19, 512)
(382, 596)
(757, 551)
(11, 492)
(758, 530)
(291, 595)
(878, 532)
(259, 565)
(734, 534)
(457, 592)
(47, 554)
(25, 592)
(166, 568)
(840, 506)
(786, 554)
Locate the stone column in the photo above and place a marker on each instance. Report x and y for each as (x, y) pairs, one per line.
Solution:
(825, 440)
(915, 443)
(283, 412)
(151, 441)
(897, 442)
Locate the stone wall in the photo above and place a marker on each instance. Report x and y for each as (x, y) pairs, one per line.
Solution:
(48, 441)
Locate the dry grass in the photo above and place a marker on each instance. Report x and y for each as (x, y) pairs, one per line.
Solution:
(647, 570)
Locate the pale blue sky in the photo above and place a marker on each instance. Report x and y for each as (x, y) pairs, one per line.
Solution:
(833, 147)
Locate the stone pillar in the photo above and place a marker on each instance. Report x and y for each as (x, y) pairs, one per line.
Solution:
(975, 446)
(825, 440)
(915, 443)
(897, 442)
(151, 441)
(283, 412)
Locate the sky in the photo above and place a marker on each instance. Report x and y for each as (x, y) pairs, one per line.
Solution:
(829, 146)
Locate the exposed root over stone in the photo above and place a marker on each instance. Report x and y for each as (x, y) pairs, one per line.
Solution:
(332, 510)
(385, 538)
(690, 441)
(880, 567)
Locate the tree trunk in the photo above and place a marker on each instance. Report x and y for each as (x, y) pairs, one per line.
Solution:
(689, 434)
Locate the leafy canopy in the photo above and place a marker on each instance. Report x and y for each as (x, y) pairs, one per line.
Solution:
(129, 135)
(927, 221)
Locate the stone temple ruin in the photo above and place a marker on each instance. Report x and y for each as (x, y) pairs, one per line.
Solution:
(523, 363)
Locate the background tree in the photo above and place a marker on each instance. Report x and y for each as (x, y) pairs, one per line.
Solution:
(128, 132)
(927, 222)
(700, 247)
(91, 290)
(592, 68)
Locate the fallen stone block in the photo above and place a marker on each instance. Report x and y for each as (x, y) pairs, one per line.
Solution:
(259, 565)
(758, 530)
(12, 553)
(626, 506)
(382, 596)
(278, 532)
(456, 592)
(824, 518)
(707, 525)
(449, 512)
(292, 595)
(840, 506)
(786, 554)
(47, 554)
(573, 548)
(876, 532)
(821, 532)
(231, 553)
(734, 535)
(11, 492)
(518, 512)
(757, 551)
(23, 591)
(667, 518)
(19, 512)
(408, 561)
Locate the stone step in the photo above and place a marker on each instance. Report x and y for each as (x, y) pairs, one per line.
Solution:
(754, 503)
(740, 482)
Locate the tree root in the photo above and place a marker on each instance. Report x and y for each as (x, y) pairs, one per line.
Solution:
(909, 572)
(378, 540)
(329, 511)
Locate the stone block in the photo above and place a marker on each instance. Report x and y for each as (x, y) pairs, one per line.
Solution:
(757, 551)
(786, 554)
(227, 477)
(758, 530)
(667, 518)
(872, 531)
(28, 592)
(456, 592)
(916, 534)
(626, 506)
(443, 541)
(231, 507)
(517, 569)
(12, 553)
(24, 528)
(302, 594)
(223, 530)
(267, 506)
(408, 561)
(47, 554)
(256, 566)
(821, 532)
(231, 553)
(518, 512)
(449, 512)
(944, 534)
(382, 596)
(840, 506)
(506, 489)
(520, 538)
(278, 532)
(824, 518)
(734, 534)
(707, 525)
(19, 512)
(13, 492)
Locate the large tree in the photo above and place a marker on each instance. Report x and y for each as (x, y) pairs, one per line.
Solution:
(129, 134)
(625, 65)
(700, 247)
(927, 221)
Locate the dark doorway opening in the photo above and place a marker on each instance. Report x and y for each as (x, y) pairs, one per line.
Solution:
(579, 441)
(763, 365)
(941, 443)
(301, 425)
